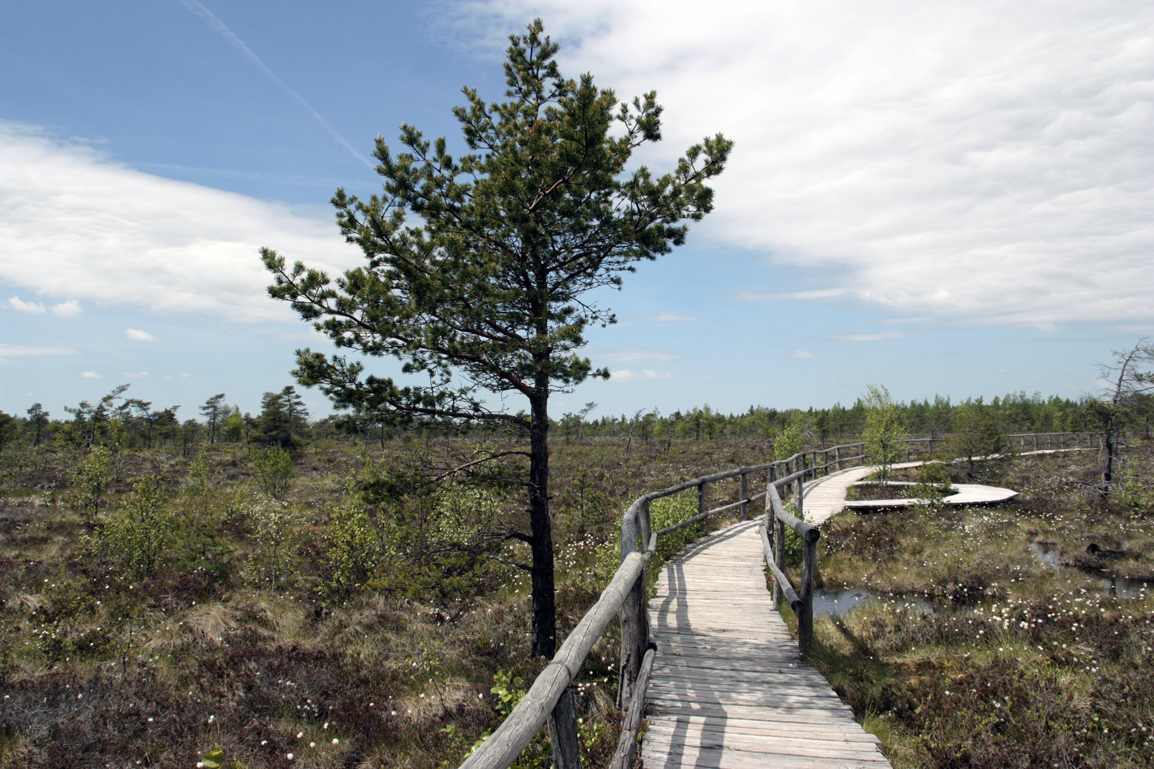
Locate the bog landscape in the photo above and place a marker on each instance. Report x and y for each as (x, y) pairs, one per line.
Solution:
(451, 570)
(302, 593)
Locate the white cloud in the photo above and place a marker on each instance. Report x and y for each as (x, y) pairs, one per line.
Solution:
(67, 310)
(77, 225)
(668, 317)
(625, 375)
(984, 160)
(30, 351)
(138, 375)
(32, 308)
(801, 354)
(137, 335)
(91, 375)
(631, 354)
(881, 336)
(1007, 371)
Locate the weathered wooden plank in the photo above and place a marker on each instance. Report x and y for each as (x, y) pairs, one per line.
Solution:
(774, 747)
(766, 728)
(729, 689)
(735, 759)
(627, 743)
(770, 729)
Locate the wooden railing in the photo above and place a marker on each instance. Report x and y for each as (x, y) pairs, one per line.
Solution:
(1048, 441)
(550, 698)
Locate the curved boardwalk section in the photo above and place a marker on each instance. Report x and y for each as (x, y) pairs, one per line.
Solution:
(825, 496)
(728, 687)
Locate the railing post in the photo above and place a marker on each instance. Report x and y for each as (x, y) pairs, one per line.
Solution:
(800, 486)
(837, 457)
(805, 615)
(778, 558)
(743, 492)
(634, 616)
(563, 733)
(645, 525)
(700, 498)
(773, 528)
(634, 640)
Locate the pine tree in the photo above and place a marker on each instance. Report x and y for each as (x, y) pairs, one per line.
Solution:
(486, 293)
(39, 418)
(211, 410)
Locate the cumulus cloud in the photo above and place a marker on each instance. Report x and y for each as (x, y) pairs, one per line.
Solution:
(625, 375)
(32, 308)
(69, 309)
(74, 224)
(983, 161)
(801, 354)
(137, 375)
(137, 335)
(91, 375)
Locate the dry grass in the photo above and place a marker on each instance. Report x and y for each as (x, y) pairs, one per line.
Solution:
(100, 667)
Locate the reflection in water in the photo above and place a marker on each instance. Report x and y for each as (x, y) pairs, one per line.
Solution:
(832, 603)
(1119, 587)
(1051, 558)
(841, 602)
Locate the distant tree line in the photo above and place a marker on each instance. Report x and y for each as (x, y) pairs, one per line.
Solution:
(117, 420)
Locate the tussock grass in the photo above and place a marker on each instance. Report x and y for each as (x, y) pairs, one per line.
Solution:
(1021, 664)
(228, 643)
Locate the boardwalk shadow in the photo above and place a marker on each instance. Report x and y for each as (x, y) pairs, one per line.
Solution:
(702, 725)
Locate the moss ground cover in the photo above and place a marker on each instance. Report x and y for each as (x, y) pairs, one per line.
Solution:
(1025, 662)
(201, 606)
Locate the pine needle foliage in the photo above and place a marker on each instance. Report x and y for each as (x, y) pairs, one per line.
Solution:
(486, 294)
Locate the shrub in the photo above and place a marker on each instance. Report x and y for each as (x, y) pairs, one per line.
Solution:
(788, 442)
(272, 470)
(353, 547)
(143, 532)
(275, 528)
(884, 433)
(92, 479)
(933, 483)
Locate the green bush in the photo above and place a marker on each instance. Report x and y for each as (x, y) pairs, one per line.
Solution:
(91, 479)
(933, 482)
(276, 527)
(142, 534)
(272, 470)
(788, 442)
(354, 547)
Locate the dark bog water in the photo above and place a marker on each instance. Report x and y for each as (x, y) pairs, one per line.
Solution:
(831, 603)
(1115, 586)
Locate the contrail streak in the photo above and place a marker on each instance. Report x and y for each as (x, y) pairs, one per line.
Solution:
(219, 27)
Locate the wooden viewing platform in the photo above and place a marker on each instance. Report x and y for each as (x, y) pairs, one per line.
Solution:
(729, 688)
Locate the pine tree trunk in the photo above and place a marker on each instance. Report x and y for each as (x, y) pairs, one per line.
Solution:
(544, 609)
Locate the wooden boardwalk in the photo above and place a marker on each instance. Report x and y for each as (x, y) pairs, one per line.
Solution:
(825, 496)
(729, 689)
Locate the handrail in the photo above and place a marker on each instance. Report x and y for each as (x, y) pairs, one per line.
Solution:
(550, 698)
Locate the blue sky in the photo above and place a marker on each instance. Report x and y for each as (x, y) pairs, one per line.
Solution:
(944, 198)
